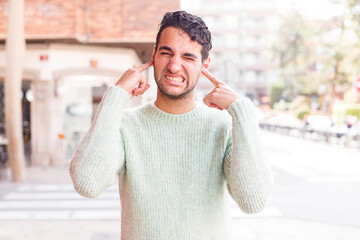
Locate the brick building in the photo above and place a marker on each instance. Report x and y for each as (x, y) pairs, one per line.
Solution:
(74, 50)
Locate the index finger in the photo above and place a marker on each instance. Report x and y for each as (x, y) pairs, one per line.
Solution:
(211, 77)
(144, 66)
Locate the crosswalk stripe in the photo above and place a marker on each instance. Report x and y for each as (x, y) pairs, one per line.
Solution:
(60, 215)
(54, 187)
(57, 204)
(55, 195)
(61, 202)
(46, 187)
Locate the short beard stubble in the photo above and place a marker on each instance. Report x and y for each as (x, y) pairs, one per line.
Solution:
(175, 97)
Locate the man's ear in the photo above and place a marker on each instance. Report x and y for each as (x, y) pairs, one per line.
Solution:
(207, 63)
(153, 54)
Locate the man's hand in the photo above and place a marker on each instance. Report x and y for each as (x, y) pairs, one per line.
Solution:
(133, 82)
(222, 96)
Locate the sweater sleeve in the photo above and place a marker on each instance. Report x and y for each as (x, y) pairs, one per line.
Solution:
(248, 174)
(100, 155)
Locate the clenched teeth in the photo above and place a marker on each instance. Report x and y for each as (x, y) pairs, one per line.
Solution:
(176, 79)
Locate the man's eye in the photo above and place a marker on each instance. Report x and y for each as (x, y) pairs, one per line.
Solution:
(190, 59)
(165, 53)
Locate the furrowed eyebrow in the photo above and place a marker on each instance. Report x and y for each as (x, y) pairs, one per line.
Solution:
(165, 48)
(190, 55)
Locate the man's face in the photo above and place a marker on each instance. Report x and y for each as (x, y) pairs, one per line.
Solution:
(177, 63)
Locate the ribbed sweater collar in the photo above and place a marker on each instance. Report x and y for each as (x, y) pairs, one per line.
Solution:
(154, 112)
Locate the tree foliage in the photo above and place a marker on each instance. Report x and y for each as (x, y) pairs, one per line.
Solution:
(312, 52)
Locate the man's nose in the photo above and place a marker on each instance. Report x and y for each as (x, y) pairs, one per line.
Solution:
(174, 65)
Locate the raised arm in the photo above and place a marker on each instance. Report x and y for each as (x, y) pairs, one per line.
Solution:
(99, 157)
(247, 173)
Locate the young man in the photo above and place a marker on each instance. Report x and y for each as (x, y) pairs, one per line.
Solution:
(175, 158)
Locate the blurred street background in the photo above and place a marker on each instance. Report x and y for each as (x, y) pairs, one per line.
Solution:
(298, 61)
(315, 197)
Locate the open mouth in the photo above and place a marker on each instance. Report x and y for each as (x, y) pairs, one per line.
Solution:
(175, 79)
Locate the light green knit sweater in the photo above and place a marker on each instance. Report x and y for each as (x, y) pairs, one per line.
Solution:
(173, 170)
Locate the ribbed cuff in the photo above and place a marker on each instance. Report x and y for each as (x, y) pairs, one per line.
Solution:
(116, 97)
(243, 110)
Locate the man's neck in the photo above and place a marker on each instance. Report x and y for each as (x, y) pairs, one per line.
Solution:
(175, 106)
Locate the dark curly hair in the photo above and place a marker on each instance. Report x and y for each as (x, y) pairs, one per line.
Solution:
(192, 25)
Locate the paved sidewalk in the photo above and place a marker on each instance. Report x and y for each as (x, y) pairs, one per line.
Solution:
(45, 175)
(267, 226)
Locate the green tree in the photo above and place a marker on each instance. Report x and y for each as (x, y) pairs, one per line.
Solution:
(295, 54)
(312, 52)
(341, 51)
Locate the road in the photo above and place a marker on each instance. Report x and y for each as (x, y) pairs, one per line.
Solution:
(315, 197)
(314, 181)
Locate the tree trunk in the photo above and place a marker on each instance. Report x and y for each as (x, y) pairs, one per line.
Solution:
(15, 51)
